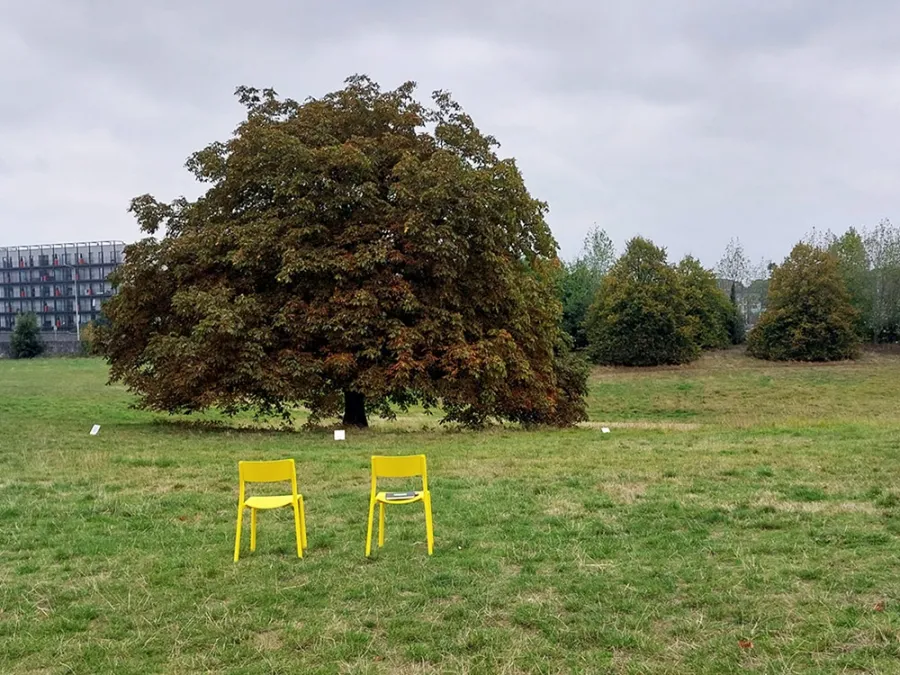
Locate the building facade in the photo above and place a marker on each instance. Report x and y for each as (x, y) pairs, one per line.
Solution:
(63, 284)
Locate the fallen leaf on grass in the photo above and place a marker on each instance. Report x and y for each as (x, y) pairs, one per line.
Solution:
(745, 644)
(879, 606)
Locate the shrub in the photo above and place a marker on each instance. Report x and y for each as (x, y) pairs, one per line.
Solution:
(640, 316)
(26, 338)
(809, 315)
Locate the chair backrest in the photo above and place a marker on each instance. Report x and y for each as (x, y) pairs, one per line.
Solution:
(272, 471)
(405, 466)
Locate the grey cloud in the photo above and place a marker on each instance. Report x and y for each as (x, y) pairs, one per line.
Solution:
(690, 123)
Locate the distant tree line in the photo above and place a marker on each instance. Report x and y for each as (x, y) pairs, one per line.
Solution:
(641, 310)
(831, 293)
(868, 261)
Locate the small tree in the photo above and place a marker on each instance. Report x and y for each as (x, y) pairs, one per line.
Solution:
(809, 315)
(883, 251)
(853, 264)
(26, 338)
(640, 316)
(735, 265)
(708, 307)
(752, 280)
(580, 282)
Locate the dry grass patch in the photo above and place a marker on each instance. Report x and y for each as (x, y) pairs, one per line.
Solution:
(643, 426)
(623, 493)
(268, 641)
(779, 503)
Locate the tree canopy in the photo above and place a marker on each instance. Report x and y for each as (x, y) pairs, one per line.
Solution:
(809, 315)
(359, 252)
(640, 315)
(25, 342)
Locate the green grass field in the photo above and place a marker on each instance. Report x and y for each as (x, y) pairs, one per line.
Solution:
(733, 501)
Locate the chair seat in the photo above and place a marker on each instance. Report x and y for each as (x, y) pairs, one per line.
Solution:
(382, 498)
(273, 502)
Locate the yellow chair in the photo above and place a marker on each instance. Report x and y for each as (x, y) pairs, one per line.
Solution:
(398, 467)
(269, 472)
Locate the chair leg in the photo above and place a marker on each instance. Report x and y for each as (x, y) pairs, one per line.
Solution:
(297, 530)
(429, 523)
(252, 530)
(380, 525)
(369, 530)
(237, 539)
(303, 523)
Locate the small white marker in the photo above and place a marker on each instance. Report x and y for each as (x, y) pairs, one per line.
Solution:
(340, 435)
(605, 430)
(95, 430)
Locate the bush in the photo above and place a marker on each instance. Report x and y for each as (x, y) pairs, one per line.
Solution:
(91, 334)
(26, 338)
(640, 315)
(809, 315)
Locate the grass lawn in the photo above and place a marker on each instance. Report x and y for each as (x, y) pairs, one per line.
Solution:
(733, 503)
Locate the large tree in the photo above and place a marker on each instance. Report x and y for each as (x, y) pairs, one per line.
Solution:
(640, 315)
(809, 315)
(357, 252)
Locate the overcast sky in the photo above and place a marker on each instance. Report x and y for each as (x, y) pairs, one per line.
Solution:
(687, 122)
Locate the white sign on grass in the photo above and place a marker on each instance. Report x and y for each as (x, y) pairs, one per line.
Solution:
(95, 430)
(339, 435)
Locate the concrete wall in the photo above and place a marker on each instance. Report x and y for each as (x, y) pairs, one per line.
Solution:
(56, 344)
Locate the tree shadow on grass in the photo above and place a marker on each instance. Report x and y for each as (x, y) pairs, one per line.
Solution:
(249, 427)
(181, 425)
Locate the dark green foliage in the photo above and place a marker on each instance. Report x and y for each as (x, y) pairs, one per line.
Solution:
(809, 315)
(736, 328)
(26, 338)
(577, 290)
(709, 309)
(360, 252)
(581, 280)
(640, 316)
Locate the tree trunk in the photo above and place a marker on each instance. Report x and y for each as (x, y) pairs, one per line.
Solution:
(355, 409)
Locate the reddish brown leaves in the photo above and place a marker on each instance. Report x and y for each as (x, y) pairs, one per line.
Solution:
(745, 644)
(342, 247)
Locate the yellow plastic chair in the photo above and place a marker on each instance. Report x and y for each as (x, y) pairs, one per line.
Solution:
(398, 467)
(269, 472)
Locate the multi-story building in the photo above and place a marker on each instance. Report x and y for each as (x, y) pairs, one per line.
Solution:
(63, 284)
